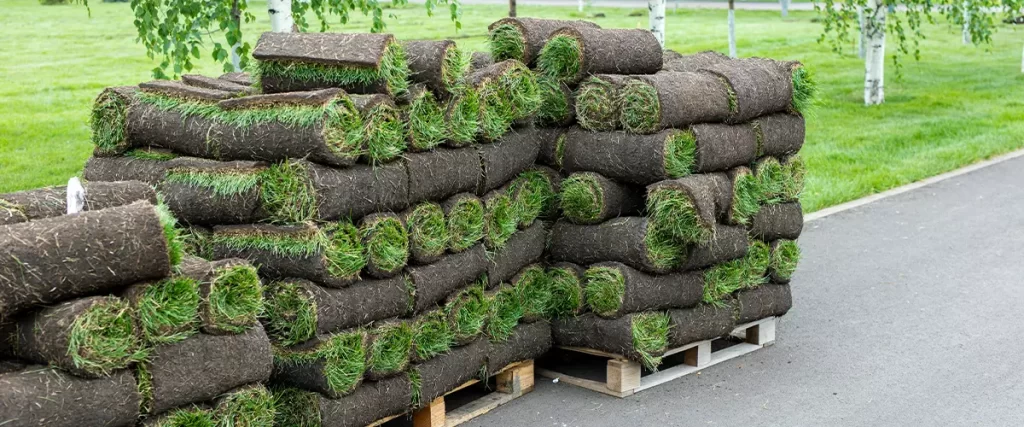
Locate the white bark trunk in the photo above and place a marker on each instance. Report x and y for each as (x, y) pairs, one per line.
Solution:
(581, 5)
(732, 31)
(280, 15)
(874, 62)
(785, 8)
(656, 18)
(236, 61)
(966, 32)
(76, 196)
(861, 46)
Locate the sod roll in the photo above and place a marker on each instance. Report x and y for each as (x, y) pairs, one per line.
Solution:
(703, 322)
(464, 214)
(149, 166)
(389, 346)
(432, 335)
(462, 118)
(439, 64)
(231, 191)
(231, 294)
(249, 405)
(728, 243)
(779, 135)
(534, 195)
(672, 100)
(572, 53)
(613, 289)
(523, 38)
(780, 221)
(203, 367)
(507, 157)
(480, 60)
(384, 133)
(442, 173)
(784, 258)
(722, 280)
(165, 311)
(467, 313)
(760, 86)
(356, 62)
(589, 198)
(626, 157)
(370, 402)
(504, 312)
(780, 180)
(179, 89)
(428, 232)
(566, 280)
(41, 396)
(52, 201)
(557, 105)
(430, 284)
(720, 147)
(358, 191)
(205, 82)
(387, 244)
(237, 77)
(88, 337)
(633, 241)
(597, 101)
(54, 259)
(763, 301)
(444, 373)
(552, 144)
(424, 117)
(692, 63)
(641, 337)
(332, 365)
(507, 92)
(531, 285)
(523, 248)
(501, 220)
(686, 208)
(185, 416)
(528, 341)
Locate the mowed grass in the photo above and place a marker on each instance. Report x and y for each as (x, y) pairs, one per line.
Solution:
(958, 105)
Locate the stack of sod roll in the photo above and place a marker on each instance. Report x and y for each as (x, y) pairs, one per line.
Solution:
(102, 321)
(679, 209)
(386, 192)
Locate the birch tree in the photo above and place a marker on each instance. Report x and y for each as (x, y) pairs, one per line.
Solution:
(656, 18)
(732, 29)
(785, 7)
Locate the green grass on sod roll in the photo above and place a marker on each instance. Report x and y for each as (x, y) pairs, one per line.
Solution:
(250, 407)
(236, 298)
(345, 254)
(454, 67)
(561, 57)
(175, 245)
(416, 383)
(773, 180)
(757, 261)
(500, 220)
(748, 272)
(428, 229)
(389, 351)
(427, 128)
(169, 305)
(343, 355)
(109, 123)
(566, 292)
(148, 154)
(287, 194)
(640, 107)
(650, 336)
(746, 198)
(662, 249)
(796, 173)
(104, 338)
(465, 224)
(505, 311)
(532, 194)
(191, 417)
(387, 243)
(672, 212)
(393, 69)
(295, 407)
(144, 381)
(384, 133)
(468, 312)
(596, 105)
(464, 117)
(432, 335)
(560, 150)
(519, 87)
(605, 288)
(680, 154)
(225, 183)
(497, 113)
(534, 293)
(282, 245)
(785, 258)
(554, 108)
(290, 314)
(804, 90)
(582, 198)
(507, 42)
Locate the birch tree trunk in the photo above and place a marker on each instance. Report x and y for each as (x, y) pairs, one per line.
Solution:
(785, 8)
(280, 15)
(511, 8)
(874, 62)
(861, 46)
(966, 32)
(656, 18)
(236, 59)
(581, 5)
(732, 30)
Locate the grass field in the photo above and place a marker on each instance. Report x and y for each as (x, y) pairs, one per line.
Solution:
(958, 105)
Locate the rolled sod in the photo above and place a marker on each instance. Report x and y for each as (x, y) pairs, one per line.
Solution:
(384, 135)
(431, 335)
(187, 416)
(332, 365)
(805, 89)
(780, 221)
(589, 198)
(532, 287)
(203, 367)
(703, 322)
(534, 194)
(566, 282)
(522, 248)
(759, 86)
(430, 284)
(166, 311)
(370, 402)
(672, 100)
(633, 241)
(386, 242)
(237, 77)
(779, 135)
(784, 258)
(231, 191)
(356, 62)
(572, 53)
(428, 232)
(552, 143)
(357, 191)
(685, 208)
(442, 173)
(52, 201)
(179, 89)
(501, 219)
(692, 63)
(480, 60)
(205, 82)
(424, 117)
(298, 310)
(597, 101)
(444, 373)
(557, 103)
(464, 214)
(528, 341)
(728, 243)
(507, 92)
(88, 337)
(763, 301)
(331, 255)
(502, 160)
(467, 313)
(630, 158)
(388, 350)
(8, 366)
(504, 311)
(41, 396)
(720, 147)
(55, 259)
(641, 337)
(251, 405)
(613, 289)
(149, 166)
(523, 38)
(462, 117)
(721, 280)
(439, 64)
(231, 294)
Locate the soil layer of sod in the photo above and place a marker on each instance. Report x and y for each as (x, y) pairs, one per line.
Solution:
(672, 100)
(641, 337)
(626, 157)
(784, 258)
(430, 284)
(720, 147)
(760, 86)
(692, 63)
(386, 242)
(38, 395)
(359, 190)
(55, 259)
(551, 142)
(779, 135)
(565, 280)
(528, 341)
(763, 301)
(597, 102)
(613, 289)
(480, 60)
(389, 347)
(230, 291)
(428, 232)
(782, 221)
(329, 364)
(507, 157)
(442, 173)
(630, 240)
(368, 403)
(728, 243)
(464, 213)
(523, 38)
(444, 373)
(149, 166)
(52, 201)
(522, 249)
(203, 367)
(230, 191)
(570, 54)
(438, 64)
(356, 62)
(205, 82)
(703, 322)
(589, 198)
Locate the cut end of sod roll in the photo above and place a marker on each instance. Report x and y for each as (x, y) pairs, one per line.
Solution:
(555, 102)
(640, 107)
(235, 301)
(673, 213)
(500, 220)
(291, 313)
(532, 194)
(427, 128)
(650, 337)
(561, 58)
(393, 71)
(508, 92)
(387, 244)
(384, 133)
(109, 121)
(534, 293)
(804, 89)
(343, 357)
(784, 258)
(295, 407)
(175, 243)
(605, 289)
(250, 406)
(465, 224)
(505, 311)
(582, 198)
(454, 66)
(389, 348)
(103, 338)
(467, 313)
(190, 417)
(597, 105)
(663, 251)
(428, 230)
(463, 117)
(746, 197)
(168, 310)
(287, 194)
(566, 292)
(748, 272)
(432, 335)
(778, 182)
(345, 254)
(507, 42)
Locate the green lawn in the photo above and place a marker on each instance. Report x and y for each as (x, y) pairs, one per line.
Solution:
(958, 105)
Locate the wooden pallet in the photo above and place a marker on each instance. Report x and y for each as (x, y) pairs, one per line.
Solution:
(624, 377)
(511, 382)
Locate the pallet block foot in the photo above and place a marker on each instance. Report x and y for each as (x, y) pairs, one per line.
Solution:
(513, 381)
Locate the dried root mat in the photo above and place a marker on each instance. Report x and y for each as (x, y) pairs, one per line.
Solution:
(52, 201)
(633, 241)
(566, 282)
(369, 402)
(764, 301)
(241, 78)
(438, 64)
(231, 294)
(387, 244)
(691, 63)
(55, 259)
(440, 375)
(329, 364)
(358, 63)
(523, 248)
(614, 289)
(505, 158)
(527, 341)
(464, 213)
(201, 368)
(572, 53)
(672, 100)
(703, 322)
(523, 38)
(641, 337)
(589, 198)
(89, 337)
(430, 284)
(779, 221)
(331, 255)
(629, 158)
(38, 395)
(480, 60)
